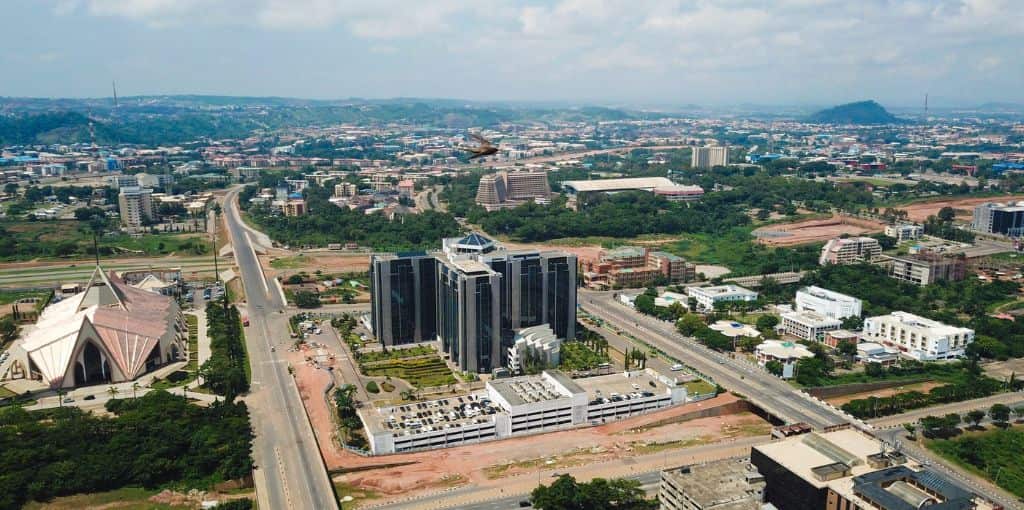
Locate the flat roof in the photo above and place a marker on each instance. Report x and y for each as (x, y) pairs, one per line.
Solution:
(621, 184)
(801, 455)
(419, 417)
(730, 484)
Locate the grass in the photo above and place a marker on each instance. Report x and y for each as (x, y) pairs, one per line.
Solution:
(737, 250)
(57, 240)
(127, 498)
(10, 296)
(294, 262)
(577, 356)
(186, 376)
(6, 393)
(393, 353)
(644, 448)
(699, 387)
(993, 454)
(343, 489)
(418, 372)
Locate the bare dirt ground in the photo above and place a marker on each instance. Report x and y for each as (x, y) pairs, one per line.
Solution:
(885, 392)
(583, 253)
(964, 207)
(491, 461)
(810, 231)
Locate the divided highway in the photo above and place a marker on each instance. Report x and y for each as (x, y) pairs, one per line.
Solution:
(290, 472)
(763, 389)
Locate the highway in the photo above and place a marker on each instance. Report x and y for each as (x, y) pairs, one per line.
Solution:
(290, 473)
(763, 389)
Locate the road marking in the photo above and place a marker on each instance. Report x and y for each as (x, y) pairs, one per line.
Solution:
(284, 479)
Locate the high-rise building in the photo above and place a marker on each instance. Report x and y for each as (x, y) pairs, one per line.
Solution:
(135, 205)
(709, 157)
(404, 308)
(994, 218)
(849, 250)
(469, 314)
(345, 190)
(509, 189)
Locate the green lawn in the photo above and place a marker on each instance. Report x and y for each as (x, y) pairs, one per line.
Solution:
(183, 377)
(6, 393)
(994, 454)
(10, 296)
(60, 240)
(699, 387)
(577, 356)
(393, 353)
(737, 250)
(418, 372)
(295, 262)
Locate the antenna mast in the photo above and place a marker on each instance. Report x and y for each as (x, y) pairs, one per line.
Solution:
(113, 84)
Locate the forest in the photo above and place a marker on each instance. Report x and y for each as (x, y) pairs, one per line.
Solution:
(156, 440)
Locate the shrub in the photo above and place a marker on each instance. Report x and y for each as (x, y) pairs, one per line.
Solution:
(372, 387)
(388, 387)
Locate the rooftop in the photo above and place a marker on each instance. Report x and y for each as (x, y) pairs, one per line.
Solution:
(420, 417)
(628, 183)
(730, 484)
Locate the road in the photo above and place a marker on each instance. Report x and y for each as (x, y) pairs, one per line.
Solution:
(572, 155)
(1011, 399)
(739, 376)
(290, 473)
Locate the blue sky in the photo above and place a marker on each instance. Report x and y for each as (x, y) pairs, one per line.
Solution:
(962, 52)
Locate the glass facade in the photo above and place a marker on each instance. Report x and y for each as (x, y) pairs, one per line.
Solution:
(484, 304)
(531, 293)
(403, 301)
(561, 297)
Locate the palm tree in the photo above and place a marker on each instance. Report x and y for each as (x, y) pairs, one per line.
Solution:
(60, 397)
(112, 391)
(135, 387)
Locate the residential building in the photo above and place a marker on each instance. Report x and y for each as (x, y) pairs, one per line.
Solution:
(846, 469)
(294, 207)
(849, 250)
(109, 332)
(404, 301)
(809, 325)
(708, 297)
(828, 303)
(996, 218)
(345, 190)
(135, 205)
(917, 337)
(728, 484)
(925, 268)
(709, 157)
(787, 353)
(537, 345)
(636, 267)
(509, 189)
(904, 231)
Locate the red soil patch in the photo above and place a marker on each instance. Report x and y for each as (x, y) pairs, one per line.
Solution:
(810, 231)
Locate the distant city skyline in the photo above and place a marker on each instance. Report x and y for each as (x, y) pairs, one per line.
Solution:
(788, 52)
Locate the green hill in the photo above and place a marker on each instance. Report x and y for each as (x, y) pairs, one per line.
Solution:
(861, 112)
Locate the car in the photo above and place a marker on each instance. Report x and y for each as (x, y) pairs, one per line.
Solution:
(90, 397)
(68, 400)
(273, 349)
(677, 367)
(525, 504)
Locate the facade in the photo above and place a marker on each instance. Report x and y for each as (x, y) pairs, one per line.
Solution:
(917, 337)
(345, 190)
(828, 303)
(729, 484)
(926, 268)
(406, 188)
(536, 344)
(787, 353)
(107, 333)
(849, 250)
(294, 207)
(509, 189)
(709, 157)
(904, 231)
(809, 325)
(707, 297)
(680, 193)
(995, 218)
(122, 181)
(135, 205)
(636, 267)
(154, 180)
(848, 470)
(472, 297)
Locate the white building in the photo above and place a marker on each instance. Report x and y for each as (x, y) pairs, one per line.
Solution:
(708, 157)
(707, 296)
(537, 342)
(135, 205)
(904, 231)
(787, 353)
(849, 250)
(828, 303)
(917, 337)
(808, 325)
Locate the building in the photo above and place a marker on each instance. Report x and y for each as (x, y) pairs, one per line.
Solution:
(828, 303)
(109, 332)
(787, 353)
(516, 406)
(648, 184)
(122, 181)
(904, 231)
(345, 190)
(708, 297)
(637, 267)
(509, 189)
(849, 250)
(536, 345)
(729, 484)
(406, 188)
(809, 325)
(135, 205)
(925, 268)
(472, 297)
(996, 218)
(838, 336)
(709, 157)
(294, 207)
(871, 352)
(680, 193)
(848, 470)
(162, 181)
(917, 337)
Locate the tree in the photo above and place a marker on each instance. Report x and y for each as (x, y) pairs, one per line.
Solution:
(911, 430)
(848, 348)
(767, 322)
(306, 299)
(8, 329)
(774, 367)
(975, 417)
(1000, 414)
(566, 493)
(690, 324)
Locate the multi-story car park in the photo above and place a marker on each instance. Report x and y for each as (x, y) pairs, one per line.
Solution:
(516, 406)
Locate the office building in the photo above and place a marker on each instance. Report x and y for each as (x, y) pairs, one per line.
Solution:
(849, 250)
(709, 157)
(904, 231)
(122, 181)
(828, 303)
(162, 181)
(482, 294)
(729, 484)
(917, 337)
(509, 189)
(536, 345)
(995, 218)
(135, 205)
(637, 267)
(403, 309)
(708, 297)
(927, 267)
(807, 325)
(846, 469)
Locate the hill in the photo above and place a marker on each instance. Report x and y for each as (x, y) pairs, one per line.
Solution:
(861, 112)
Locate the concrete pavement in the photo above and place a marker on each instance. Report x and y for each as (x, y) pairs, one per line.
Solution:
(290, 473)
(1013, 399)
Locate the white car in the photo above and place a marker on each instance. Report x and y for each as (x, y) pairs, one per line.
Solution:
(677, 367)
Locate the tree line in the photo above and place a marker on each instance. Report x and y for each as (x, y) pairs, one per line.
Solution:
(226, 372)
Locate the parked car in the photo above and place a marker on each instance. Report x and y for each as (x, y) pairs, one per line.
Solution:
(677, 367)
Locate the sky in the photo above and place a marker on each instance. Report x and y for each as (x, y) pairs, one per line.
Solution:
(639, 52)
